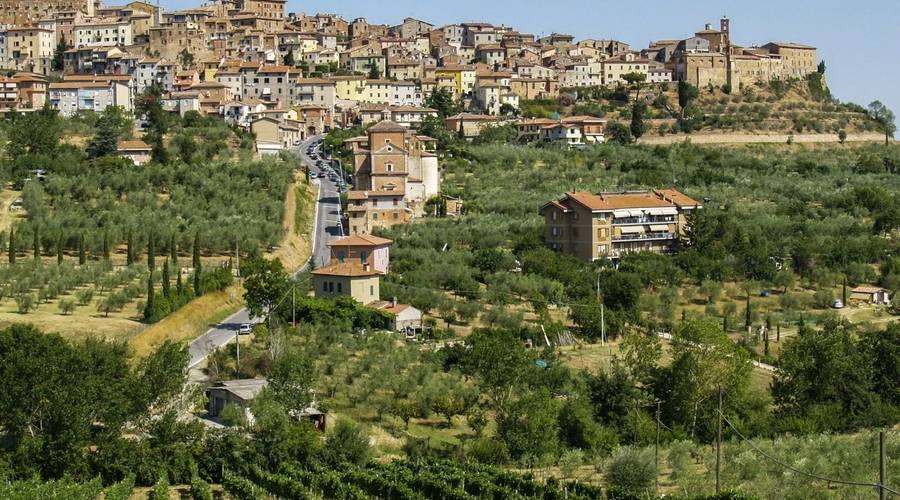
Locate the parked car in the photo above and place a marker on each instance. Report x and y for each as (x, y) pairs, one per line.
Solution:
(837, 304)
(245, 329)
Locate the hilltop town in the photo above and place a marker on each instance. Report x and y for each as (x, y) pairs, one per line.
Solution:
(244, 59)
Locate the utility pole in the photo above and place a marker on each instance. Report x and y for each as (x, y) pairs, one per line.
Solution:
(237, 255)
(602, 323)
(882, 466)
(657, 446)
(294, 306)
(237, 344)
(719, 443)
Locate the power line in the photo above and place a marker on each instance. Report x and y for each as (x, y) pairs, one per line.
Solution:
(798, 471)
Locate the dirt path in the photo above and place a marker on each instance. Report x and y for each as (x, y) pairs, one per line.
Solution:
(759, 138)
(7, 216)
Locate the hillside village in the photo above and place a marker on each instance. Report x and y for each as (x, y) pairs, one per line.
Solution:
(251, 59)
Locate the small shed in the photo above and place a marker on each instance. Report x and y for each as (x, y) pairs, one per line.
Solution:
(871, 294)
(242, 392)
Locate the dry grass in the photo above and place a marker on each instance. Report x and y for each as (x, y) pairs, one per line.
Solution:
(85, 322)
(7, 215)
(204, 312)
(299, 212)
(190, 321)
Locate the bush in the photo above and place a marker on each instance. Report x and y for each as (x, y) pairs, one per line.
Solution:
(160, 490)
(200, 489)
(488, 451)
(632, 471)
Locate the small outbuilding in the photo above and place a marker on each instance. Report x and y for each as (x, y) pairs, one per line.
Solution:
(871, 294)
(241, 394)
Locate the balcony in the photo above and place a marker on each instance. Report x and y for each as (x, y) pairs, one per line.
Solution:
(645, 237)
(648, 219)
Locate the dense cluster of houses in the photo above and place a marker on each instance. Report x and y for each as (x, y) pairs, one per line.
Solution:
(243, 58)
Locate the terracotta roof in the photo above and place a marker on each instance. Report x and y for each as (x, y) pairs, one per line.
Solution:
(613, 201)
(677, 197)
(349, 269)
(387, 126)
(360, 240)
(868, 289)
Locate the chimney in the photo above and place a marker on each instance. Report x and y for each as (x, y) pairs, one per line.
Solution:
(707, 27)
(366, 267)
(394, 302)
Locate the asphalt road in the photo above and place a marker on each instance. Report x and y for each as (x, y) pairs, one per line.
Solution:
(327, 227)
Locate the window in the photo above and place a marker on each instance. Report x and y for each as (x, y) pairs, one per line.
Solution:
(324, 286)
(341, 256)
(371, 289)
(340, 288)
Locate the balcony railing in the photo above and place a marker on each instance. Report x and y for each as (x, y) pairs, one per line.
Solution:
(646, 237)
(649, 219)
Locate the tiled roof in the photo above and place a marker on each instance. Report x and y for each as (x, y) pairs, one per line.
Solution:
(360, 240)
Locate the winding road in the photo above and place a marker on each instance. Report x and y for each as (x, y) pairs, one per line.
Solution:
(327, 226)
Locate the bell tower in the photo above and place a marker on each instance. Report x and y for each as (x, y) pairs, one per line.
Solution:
(725, 28)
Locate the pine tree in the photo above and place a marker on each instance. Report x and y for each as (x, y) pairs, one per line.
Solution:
(82, 258)
(129, 254)
(59, 248)
(166, 287)
(37, 242)
(148, 310)
(106, 245)
(197, 288)
(151, 254)
(12, 245)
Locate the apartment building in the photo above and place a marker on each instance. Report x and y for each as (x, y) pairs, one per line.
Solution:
(90, 94)
(318, 91)
(98, 32)
(30, 49)
(406, 116)
(609, 225)
(395, 172)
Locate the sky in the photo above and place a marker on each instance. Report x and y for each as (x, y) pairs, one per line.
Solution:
(859, 40)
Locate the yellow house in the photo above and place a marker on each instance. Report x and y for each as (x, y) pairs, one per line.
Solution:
(351, 88)
(348, 279)
(462, 77)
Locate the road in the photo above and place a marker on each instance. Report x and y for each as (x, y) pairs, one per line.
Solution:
(326, 227)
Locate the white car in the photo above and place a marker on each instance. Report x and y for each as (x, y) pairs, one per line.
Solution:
(245, 329)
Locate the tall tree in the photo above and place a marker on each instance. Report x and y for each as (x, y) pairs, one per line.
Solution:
(884, 117)
(37, 242)
(59, 54)
(173, 250)
(148, 309)
(289, 59)
(166, 286)
(12, 244)
(59, 248)
(112, 123)
(265, 283)
(151, 253)
(129, 254)
(638, 110)
(106, 245)
(197, 266)
(82, 257)
(442, 101)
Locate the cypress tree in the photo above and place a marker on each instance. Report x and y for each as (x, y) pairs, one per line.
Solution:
(766, 344)
(129, 253)
(179, 286)
(12, 245)
(37, 242)
(166, 288)
(844, 292)
(106, 245)
(197, 288)
(82, 258)
(725, 323)
(151, 254)
(173, 251)
(747, 321)
(59, 248)
(148, 310)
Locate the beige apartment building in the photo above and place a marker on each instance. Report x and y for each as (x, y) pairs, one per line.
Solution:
(30, 49)
(610, 225)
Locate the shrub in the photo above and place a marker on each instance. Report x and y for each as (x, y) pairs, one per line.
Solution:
(631, 470)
